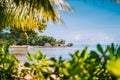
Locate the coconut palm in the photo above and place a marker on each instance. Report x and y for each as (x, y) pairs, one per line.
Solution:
(28, 15)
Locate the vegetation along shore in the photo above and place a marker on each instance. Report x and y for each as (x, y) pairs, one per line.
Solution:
(22, 21)
(41, 41)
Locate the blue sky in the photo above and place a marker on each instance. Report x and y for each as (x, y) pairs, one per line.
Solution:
(89, 23)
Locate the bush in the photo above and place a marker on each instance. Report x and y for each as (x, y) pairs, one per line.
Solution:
(84, 65)
(8, 64)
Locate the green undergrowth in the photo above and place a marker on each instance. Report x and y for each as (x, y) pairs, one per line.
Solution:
(83, 65)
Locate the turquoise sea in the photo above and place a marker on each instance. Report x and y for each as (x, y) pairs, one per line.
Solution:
(51, 52)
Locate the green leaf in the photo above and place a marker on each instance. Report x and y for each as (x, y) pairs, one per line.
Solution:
(53, 59)
(67, 64)
(26, 64)
(114, 67)
(77, 70)
(111, 53)
(7, 49)
(118, 52)
(77, 54)
(29, 57)
(65, 71)
(100, 49)
(94, 54)
(83, 52)
(39, 55)
(112, 48)
(61, 60)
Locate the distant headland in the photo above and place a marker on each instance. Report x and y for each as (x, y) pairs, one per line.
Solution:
(41, 41)
(47, 45)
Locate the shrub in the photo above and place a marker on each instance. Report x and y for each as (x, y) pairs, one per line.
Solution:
(84, 65)
(8, 64)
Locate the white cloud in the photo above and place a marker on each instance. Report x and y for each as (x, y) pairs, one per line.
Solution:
(77, 37)
(93, 38)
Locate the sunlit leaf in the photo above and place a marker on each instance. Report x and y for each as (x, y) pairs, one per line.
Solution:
(114, 67)
(65, 71)
(29, 57)
(26, 15)
(83, 53)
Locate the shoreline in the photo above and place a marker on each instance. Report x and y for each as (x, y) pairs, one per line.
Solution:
(29, 46)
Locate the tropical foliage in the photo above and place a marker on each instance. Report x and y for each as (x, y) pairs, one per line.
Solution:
(23, 17)
(28, 15)
(83, 65)
(8, 64)
(17, 39)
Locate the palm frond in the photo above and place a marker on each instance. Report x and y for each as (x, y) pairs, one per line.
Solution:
(30, 14)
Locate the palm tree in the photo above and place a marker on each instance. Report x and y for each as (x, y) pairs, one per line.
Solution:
(28, 15)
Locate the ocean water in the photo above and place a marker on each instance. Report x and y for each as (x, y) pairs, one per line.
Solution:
(56, 52)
